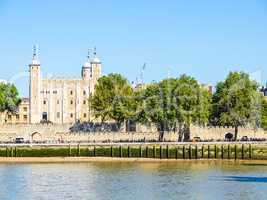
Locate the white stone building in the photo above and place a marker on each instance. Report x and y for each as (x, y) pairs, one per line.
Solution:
(61, 100)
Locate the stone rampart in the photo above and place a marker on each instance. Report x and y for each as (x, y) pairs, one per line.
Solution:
(53, 133)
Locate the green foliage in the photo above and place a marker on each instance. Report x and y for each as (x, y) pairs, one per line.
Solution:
(236, 101)
(264, 114)
(9, 99)
(173, 102)
(112, 99)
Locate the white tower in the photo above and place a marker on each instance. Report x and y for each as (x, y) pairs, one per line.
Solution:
(34, 90)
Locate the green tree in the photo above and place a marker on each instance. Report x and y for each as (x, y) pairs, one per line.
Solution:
(155, 105)
(193, 105)
(174, 103)
(9, 98)
(236, 101)
(112, 99)
(264, 114)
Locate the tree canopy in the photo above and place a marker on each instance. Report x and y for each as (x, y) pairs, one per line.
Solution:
(112, 99)
(9, 97)
(236, 101)
(174, 102)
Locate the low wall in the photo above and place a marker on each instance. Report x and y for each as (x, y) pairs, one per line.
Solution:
(40, 132)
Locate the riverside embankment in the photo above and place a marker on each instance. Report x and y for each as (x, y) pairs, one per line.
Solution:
(172, 151)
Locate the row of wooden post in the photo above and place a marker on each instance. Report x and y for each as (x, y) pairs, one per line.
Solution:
(12, 152)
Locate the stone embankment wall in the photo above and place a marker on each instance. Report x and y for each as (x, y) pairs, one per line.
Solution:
(40, 132)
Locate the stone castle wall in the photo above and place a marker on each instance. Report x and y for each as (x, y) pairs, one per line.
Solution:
(54, 133)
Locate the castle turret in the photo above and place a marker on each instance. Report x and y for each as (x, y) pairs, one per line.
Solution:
(34, 90)
(86, 69)
(95, 70)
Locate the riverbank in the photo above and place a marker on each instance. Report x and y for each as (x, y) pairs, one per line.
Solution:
(161, 151)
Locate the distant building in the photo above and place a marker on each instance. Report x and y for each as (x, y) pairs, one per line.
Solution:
(20, 116)
(207, 87)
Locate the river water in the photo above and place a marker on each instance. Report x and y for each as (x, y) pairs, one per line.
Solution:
(138, 181)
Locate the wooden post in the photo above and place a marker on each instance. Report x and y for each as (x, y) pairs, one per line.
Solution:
(250, 151)
(176, 152)
(196, 156)
(242, 150)
(11, 152)
(167, 151)
(140, 151)
(129, 151)
(111, 151)
(189, 152)
(94, 151)
(202, 151)
(6, 151)
(235, 151)
(154, 152)
(146, 151)
(215, 151)
(79, 150)
(228, 151)
(183, 152)
(160, 151)
(15, 151)
(222, 151)
(120, 151)
(69, 150)
(208, 151)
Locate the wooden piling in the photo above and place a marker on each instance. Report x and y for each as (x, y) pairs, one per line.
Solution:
(196, 156)
(167, 151)
(235, 151)
(208, 151)
(189, 152)
(242, 150)
(183, 152)
(69, 150)
(250, 151)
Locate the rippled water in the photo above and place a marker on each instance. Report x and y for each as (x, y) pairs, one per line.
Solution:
(147, 181)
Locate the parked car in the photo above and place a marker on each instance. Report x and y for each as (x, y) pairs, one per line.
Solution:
(244, 138)
(19, 140)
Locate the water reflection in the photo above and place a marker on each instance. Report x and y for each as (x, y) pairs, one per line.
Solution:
(122, 180)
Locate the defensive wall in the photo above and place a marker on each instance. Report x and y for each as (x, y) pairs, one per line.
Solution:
(61, 132)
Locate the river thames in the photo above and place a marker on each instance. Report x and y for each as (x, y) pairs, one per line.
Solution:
(134, 180)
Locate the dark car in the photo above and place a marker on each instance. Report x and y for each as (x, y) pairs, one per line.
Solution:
(19, 140)
(244, 138)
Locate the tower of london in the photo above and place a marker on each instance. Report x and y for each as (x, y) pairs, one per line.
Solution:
(61, 100)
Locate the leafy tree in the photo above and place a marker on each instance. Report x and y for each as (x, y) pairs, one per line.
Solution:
(9, 98)
(192, 105)
(236, 101)
(264, 114)
(112, 99)
(174, 102)
(155, 105)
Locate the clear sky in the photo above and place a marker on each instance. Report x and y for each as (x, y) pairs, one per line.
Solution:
(205, 39)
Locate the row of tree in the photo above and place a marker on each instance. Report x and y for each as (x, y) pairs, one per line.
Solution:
(174, 104)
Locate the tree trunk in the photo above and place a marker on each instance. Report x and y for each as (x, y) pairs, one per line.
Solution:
(187, 133)
(236, 133)
(161, 132)
(180, 132)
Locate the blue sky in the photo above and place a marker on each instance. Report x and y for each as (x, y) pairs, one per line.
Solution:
(205, 39)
